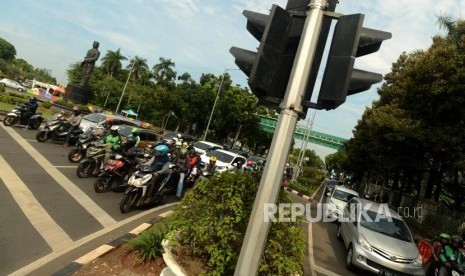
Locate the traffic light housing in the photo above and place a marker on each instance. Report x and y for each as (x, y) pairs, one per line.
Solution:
(350, 40)
(269, 68)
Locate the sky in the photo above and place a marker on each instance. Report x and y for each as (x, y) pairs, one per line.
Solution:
(197, 35)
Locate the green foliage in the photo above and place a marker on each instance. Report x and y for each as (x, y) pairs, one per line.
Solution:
(47, 105)
(148, 243)
(7, 50)
(308, 181)
(212, 220)
(13, 98)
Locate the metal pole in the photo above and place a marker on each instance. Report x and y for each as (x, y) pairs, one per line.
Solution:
(124, 89)
(291, 108)
(305, 143)
(214, 105)
(106, 100)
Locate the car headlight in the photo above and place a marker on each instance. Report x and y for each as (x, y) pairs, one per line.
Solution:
(364, 243)
(418, 261)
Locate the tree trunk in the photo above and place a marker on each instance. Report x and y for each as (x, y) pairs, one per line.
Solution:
(431, 180)
(395, 182)
(438, 183)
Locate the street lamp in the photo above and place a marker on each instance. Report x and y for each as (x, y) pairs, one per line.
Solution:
(216, 100)
(125, 85)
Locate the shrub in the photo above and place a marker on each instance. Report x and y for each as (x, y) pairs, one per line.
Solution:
(212, 220)
(47, 105)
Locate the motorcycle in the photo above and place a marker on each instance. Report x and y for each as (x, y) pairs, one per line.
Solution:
(77, 154)
(17, 116)
(57, 130)
(139, 183)
(91, 164)
(117, 171)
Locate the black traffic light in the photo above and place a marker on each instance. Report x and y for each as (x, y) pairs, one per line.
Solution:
(350, 40)
(269, 68)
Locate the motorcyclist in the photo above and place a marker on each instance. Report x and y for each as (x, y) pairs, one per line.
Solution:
(451, 254)
(211, 166)
(135, 133)
(160, 166)
(32, 106)
(129, 148)
(182, 165)
(113, 140)
(75, 121)
(250, 166)
(193, 161)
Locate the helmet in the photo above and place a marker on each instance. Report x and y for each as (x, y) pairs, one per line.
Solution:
(114, 130)
(445, 236)
(130, 142)
(135, 130)
(183, 151)
(32, 99)
(192, 152)
(179, 136)
(163, 149)
(184, 145)
(250, 163)
(109, 120)
(75, 108)
(213, 159)
(456, 239)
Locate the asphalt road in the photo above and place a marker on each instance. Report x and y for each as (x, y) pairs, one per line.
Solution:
(325, 254)
(50, 217)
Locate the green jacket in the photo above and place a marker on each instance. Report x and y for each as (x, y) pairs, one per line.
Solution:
(113, 141)
(449, 253)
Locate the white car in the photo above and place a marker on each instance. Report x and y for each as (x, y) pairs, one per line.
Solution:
(94, 120)
(12, 84)
(201, 147)
(225, 160)
(337, 200)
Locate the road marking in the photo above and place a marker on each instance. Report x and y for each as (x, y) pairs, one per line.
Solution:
(94, 254)
(98, 213)
(52, 233)
(312, 259)
(66, 167)
(166, 214)
(140, 228)
(54, 255)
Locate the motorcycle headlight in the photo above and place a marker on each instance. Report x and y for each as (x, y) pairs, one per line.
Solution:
(418, 262)
(364, 243)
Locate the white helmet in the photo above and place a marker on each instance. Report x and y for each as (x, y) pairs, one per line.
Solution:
(115, 128)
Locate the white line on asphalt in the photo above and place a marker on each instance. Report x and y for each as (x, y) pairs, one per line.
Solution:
(140, 228)
(94, 254)
(98, 213)
(52, 233)
(312, 260)
(66, 167)
(54, 255)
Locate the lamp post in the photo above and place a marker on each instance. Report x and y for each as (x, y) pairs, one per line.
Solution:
(125, 85)
(216, 100)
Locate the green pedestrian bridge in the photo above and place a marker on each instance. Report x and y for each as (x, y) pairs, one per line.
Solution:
(319, 138)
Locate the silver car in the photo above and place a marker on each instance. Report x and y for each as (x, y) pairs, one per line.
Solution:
(12, 84)
(378, 240)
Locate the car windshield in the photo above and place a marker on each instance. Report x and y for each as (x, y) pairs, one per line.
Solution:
(221, 156)
(385, 225)
(94, 117)
(201, 145)
(344, 196)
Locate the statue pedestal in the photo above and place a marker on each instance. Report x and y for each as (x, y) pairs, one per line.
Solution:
(77, 93)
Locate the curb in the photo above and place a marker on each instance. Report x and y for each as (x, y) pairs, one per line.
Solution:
(298, 194)
(106, 248)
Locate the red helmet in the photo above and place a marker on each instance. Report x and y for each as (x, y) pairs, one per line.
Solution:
(250, 163)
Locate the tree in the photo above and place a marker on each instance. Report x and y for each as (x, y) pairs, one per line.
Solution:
(7, 50)
(111, 62)
(164, 73)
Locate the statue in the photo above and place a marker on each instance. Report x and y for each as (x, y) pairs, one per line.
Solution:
(88, 64)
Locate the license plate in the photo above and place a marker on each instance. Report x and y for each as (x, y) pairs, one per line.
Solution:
(387, 273)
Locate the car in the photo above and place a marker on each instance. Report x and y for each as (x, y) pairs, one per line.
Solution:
(378, 240)
(330, 184)
(225, 160)
(239, 151)
(337, 200)
(94, 120)
(202, 147)
(176, 137)
(12, 84)
(147, 137)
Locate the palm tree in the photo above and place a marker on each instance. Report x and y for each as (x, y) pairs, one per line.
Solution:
(163, 72)
(111, 62)
(455, 28)
(139, 68)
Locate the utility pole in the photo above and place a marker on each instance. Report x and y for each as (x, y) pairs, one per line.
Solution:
(303, 149)
(291, 110)
(125, 85)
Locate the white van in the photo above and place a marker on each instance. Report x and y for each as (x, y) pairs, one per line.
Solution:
(337, 200)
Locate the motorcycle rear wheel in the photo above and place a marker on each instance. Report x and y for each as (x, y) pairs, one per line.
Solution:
(42, 136)
(85, 170)
(75, 155)
(36, 124)
(103, 184)
(9, 120)
(129, 202)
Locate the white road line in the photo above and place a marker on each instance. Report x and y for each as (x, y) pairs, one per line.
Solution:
(312, 260)
(66, 167)
(94, 254)
(98, 213)
(52, 233)
(54, 255)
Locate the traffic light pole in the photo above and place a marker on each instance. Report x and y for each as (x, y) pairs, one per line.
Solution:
(291, 109)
